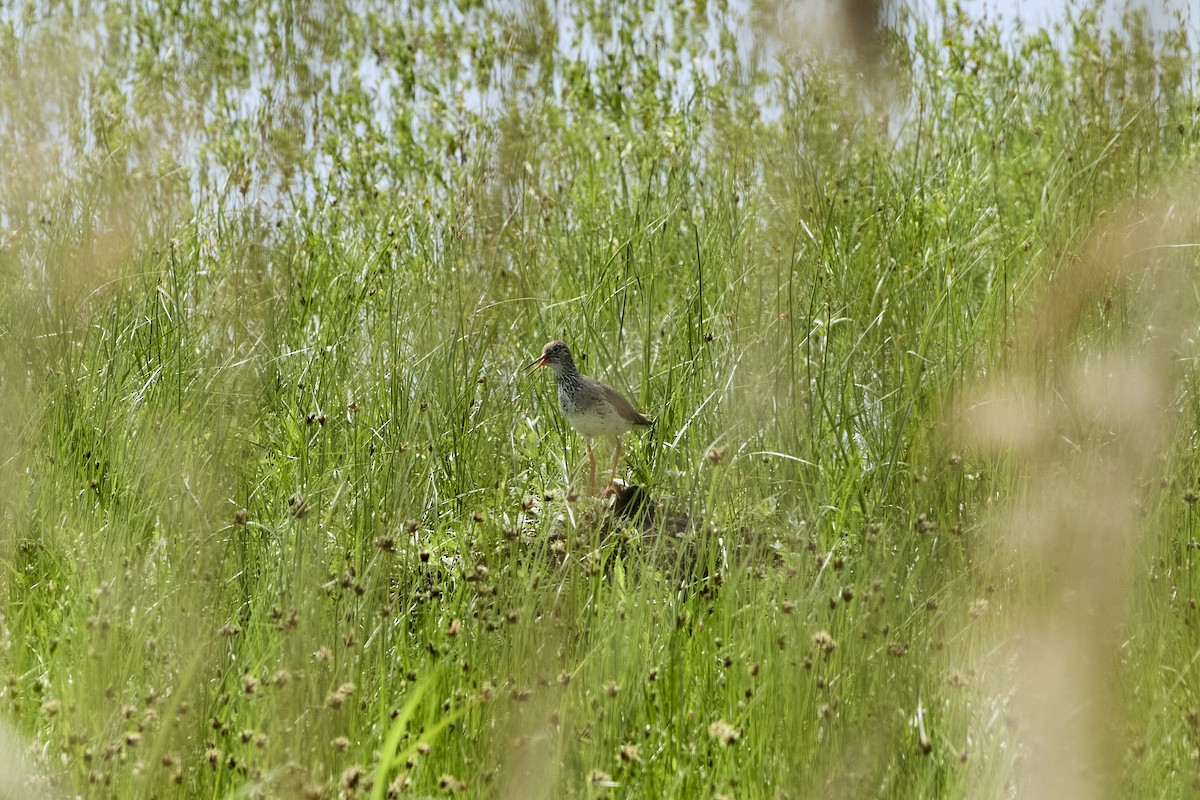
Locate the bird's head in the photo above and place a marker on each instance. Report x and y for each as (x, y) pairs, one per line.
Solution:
(555, 355)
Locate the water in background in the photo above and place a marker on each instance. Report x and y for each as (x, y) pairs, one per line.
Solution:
(297, 104)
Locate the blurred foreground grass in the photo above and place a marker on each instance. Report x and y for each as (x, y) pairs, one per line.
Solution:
(279, 516)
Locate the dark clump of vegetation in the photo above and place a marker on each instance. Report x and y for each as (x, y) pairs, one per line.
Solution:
(280, 516)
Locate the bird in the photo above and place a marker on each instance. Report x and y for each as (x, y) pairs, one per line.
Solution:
(592, 408)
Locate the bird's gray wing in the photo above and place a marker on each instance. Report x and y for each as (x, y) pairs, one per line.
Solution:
(623, 407)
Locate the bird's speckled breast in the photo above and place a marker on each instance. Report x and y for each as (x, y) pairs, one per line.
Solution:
(588, 412)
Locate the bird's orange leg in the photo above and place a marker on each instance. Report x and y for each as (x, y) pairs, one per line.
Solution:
(592, 458)
(612, 474)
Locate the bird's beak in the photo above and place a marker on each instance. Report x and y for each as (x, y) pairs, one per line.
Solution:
(541, 362)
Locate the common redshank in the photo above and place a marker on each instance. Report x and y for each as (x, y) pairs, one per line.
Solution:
(591, 407)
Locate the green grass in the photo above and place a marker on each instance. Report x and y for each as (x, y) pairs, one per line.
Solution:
(280, 515)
